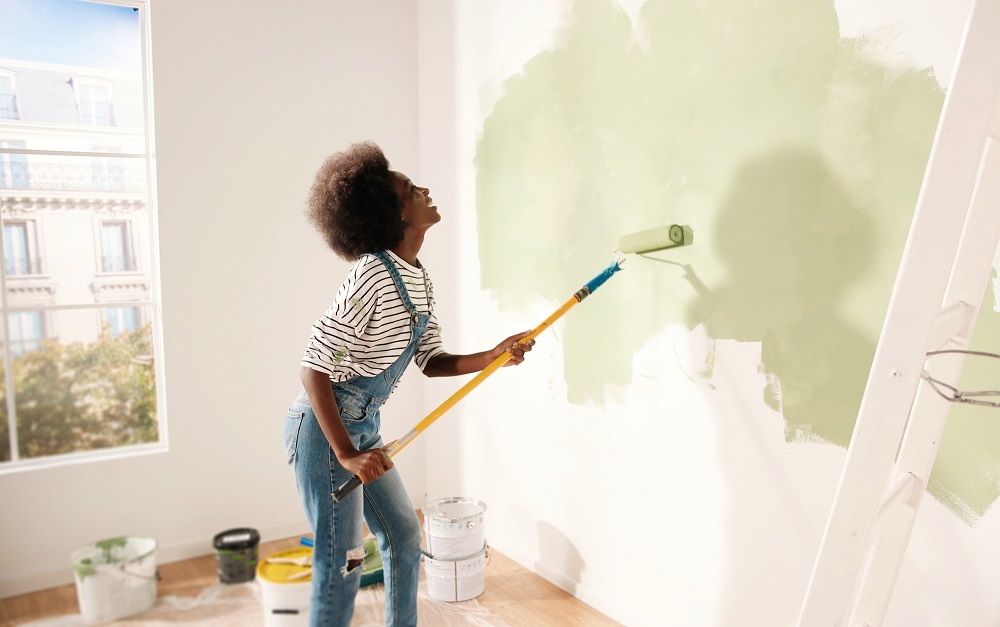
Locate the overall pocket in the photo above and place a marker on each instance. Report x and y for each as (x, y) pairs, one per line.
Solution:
(352, 403)
(293, 422)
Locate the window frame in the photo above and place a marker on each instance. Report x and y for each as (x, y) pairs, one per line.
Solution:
(148, 309)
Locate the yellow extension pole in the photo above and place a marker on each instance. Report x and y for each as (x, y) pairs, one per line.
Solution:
(650, 240)
(497, 363)
(398, 445)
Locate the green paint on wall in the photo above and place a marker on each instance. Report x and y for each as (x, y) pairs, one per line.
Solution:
(796, 156)
(968, 457)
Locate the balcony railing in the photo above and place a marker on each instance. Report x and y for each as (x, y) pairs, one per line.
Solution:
(104, 177)
(22, 266)
(119, 264)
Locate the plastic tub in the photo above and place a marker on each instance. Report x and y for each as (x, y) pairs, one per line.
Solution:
(115, 577)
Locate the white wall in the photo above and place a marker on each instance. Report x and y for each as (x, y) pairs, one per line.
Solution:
(682, 504)
(249, 99)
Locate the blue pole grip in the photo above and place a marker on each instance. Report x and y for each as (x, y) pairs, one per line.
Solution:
(601, 278)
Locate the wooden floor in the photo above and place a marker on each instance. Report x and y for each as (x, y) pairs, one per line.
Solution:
(513, 593)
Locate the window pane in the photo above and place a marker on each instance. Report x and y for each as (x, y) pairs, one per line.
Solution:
(84, 68)
(77, 300)
(83, 391)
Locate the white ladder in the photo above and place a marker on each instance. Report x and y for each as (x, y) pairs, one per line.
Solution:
(934, 305)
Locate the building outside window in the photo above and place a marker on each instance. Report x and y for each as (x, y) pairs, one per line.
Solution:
(27, 330)
(80, 368)
(8, 100)
(116, 248)
(20, 248)
(94, 100)
(121, 320)
(13, 166)
(108, 173)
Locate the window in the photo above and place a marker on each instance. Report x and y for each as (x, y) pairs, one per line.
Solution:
(94, 101)
(116, 247)
(8, 100)
(27, 330)
(80, 368)
(121, 320)
(19, 248)
(13, 166)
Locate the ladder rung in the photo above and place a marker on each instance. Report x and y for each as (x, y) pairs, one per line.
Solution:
(898, 494)
(952, 323)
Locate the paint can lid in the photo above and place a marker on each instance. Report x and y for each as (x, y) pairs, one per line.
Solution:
(236, 539)
(453, 509)
(284, 571)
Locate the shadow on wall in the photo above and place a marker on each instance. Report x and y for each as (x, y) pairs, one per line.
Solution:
(792, 243)
(558, 556)
(797, 157)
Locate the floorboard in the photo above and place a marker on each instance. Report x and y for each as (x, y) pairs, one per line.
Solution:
(513, 593)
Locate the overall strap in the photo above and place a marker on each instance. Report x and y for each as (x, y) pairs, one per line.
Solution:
(398, 280)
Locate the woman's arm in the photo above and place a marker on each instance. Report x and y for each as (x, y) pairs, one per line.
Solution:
(369, 465)
(448, 365)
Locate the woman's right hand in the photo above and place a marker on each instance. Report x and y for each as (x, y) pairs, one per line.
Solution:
(368, 465)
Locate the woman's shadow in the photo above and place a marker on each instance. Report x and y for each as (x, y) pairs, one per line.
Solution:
(793, 244)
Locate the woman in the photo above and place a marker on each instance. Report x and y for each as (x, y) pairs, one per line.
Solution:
(382, 318)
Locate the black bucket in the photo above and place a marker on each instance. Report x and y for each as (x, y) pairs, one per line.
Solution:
(236, 554)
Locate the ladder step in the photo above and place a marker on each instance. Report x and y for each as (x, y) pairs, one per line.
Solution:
(900, 493)
(953, 324)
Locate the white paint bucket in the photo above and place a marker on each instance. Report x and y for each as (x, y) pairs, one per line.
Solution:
(454, 527)
(285, 588)
(115, 577)
(458, 579)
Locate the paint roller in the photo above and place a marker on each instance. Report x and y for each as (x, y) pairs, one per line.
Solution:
(655, 239)
(650, 240)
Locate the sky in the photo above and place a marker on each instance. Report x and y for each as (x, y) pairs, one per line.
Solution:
(71, 32)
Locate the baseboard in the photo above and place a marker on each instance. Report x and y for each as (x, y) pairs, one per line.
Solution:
(165, 554)
(570, 586)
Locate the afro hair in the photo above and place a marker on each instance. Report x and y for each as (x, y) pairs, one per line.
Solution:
(353, 202)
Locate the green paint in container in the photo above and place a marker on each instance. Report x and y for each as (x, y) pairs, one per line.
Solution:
(236, 554)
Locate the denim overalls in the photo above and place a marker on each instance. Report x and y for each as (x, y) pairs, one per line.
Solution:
(384, 503)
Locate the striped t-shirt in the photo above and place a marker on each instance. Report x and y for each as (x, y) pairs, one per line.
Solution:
(368, 326)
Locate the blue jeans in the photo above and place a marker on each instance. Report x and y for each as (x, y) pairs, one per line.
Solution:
(338, 551)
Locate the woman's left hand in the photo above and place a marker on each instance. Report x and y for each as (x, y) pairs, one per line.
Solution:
(515, 347)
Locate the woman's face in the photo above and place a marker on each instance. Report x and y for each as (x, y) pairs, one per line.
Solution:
(418, 209)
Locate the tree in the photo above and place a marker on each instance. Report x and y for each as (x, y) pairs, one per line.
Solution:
(81, 397)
